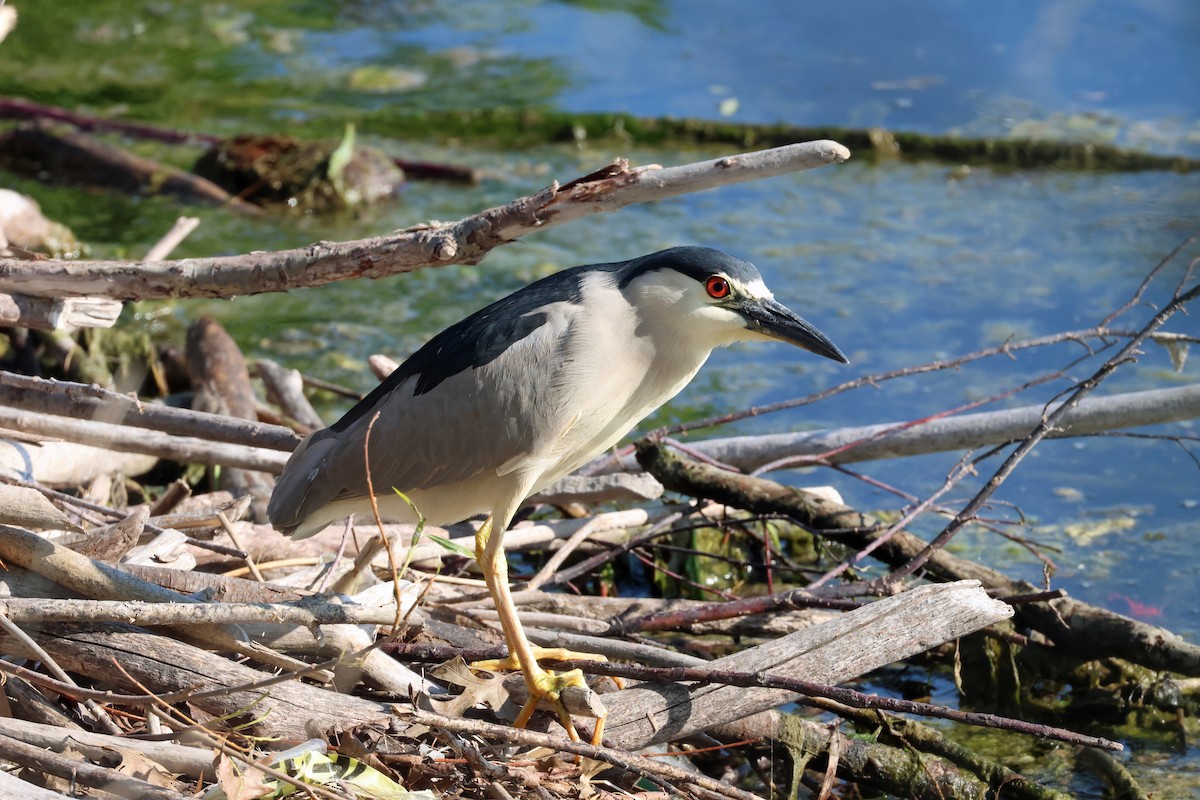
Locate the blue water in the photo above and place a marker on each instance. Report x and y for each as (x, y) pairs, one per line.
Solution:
(1120, 70)
(900, 264)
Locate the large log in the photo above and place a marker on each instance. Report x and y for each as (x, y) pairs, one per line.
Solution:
(852, 645)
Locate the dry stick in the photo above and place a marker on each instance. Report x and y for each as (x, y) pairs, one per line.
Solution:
(1091, 416)
(174, 714)
(1145, 284)
(312, 611)
(89, 401)
(704, 675)
(138, 440)
(110, 780)
(849, 697)
(47, 314)
(834, 754)
(1049, 422)
(13, 787)
(1085, 631)
(58, 672)
(182, 228)
(1006, 349)
(711, 612)
(961, 470)
(555, 561)
(194, 762)
(430, 244)
(841, 649)
(97, 580)
(639, 765)
(190, 694)
(236, 539)
(921, 423)
(289, 709)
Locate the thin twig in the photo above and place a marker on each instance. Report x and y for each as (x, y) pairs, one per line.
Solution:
(1049, 422)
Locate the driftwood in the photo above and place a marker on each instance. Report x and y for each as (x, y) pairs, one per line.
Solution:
(12, 787)
(898, 439)
(123, 438)
(24, 226)
(29, 508)
(221, 385)
(465, 241)
(99, 581)
(47, 314)
(91, 402)
(1084, 631)
(880, 633)
(285, 388)
(77, 770)
(285, 709)
(65, 463)
(195, 762)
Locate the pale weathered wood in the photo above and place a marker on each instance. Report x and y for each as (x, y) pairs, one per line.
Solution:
(92, 402)
(617, 487)
(608, 609)
(139, 440)
(12, 787)
(99, 581)
(182, 228)
(870, 637)
(285, 388)
(195, 762)
(66, 463)
(79, 771)
(47, 314)
(29, 508)
(897, 439)
(221, 385)
(431, 244)
(317, 611)
(283, 709)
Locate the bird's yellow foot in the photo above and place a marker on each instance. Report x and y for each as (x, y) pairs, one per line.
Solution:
(544, 684)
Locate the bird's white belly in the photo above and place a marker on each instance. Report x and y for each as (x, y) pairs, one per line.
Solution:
(610, 409)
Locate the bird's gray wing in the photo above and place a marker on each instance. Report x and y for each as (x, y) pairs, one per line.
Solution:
(440, 419)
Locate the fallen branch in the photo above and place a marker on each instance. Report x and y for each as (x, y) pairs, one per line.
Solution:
(47, 314)
(128, 439)
(78, 770)
(1085, 632)
(285, 710)
(195, 762)
(900, 439)
(426, 245)
(317, 611)
(851, 645)
(83, 401)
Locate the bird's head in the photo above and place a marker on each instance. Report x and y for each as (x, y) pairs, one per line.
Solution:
(716, 298)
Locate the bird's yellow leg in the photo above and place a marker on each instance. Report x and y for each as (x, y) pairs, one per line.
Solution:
(522, 654)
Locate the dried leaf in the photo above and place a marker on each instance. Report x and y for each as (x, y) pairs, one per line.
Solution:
(1177, 349)
(137, 765)
(476, 688)
(238, 781)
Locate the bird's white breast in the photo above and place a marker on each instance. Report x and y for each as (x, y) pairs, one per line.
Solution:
(619, 368)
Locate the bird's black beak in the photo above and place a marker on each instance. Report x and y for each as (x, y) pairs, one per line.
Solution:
(781, 323)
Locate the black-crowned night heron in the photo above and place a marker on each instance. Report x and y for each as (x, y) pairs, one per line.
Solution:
(514, 397)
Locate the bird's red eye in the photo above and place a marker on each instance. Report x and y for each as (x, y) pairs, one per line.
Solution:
(717, 287)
